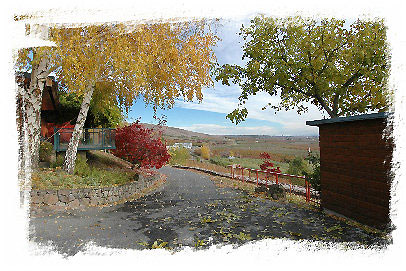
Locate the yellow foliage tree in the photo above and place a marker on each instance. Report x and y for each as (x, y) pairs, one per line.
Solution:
(341, 68)
(205, 152)
(160, 62)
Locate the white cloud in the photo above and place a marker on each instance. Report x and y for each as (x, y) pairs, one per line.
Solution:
(215, 129)
(224, 100)
(214, 101)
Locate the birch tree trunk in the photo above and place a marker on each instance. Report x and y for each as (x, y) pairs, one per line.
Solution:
(33, 101)
(28, 117)
(24, 174)
(70, 157)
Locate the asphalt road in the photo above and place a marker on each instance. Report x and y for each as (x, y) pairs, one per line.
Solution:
(189, 210)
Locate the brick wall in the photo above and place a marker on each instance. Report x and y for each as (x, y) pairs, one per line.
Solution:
(355, 163)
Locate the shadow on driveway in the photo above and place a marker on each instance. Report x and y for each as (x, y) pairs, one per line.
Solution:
(189, 210)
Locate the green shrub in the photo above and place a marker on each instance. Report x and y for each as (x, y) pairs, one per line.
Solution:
(314, 175)
(179, 156)
(299, 166)
(224, 162)
(309, 167)
(286, 160)
(81, 166)
(58, 161)
(45, 151)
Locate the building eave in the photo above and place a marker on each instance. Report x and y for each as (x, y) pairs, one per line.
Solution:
(380, 115)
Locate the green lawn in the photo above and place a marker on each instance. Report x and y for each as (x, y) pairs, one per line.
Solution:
(246, 162)
(100, 170)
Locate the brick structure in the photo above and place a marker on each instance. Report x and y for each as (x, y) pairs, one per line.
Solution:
(355, 163)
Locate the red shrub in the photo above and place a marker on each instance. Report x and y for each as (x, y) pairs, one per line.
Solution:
(267, 165)
(265, 156)
(140, 146)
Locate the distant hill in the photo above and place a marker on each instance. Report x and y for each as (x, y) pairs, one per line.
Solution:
(177, 133)
(183, 135)
(280, 137)
(246, 146)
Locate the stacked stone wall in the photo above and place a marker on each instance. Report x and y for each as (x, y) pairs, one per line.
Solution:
(84, 197)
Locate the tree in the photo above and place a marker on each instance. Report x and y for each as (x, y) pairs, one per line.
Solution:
(267, 164)
(29, 102)
(179, 155)
(314, 175)
(299, 167)
(139, 146)
(160, 62)
(99, 114)
(40, 62)
(205, 151)
(341, 69)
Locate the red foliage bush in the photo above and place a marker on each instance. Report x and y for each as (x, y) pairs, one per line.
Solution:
(265, 156)
(266, 164)
(140, 146)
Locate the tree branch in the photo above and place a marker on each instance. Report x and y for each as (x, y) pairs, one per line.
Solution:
(350, 80)
(324, 105)
(335, 103)
(327, 57)
(314, 96)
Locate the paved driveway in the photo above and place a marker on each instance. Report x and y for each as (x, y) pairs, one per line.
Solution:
(189, 210)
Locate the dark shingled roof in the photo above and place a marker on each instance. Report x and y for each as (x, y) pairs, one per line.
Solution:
(380, 115)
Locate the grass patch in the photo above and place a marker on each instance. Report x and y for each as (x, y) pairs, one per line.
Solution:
(301, 201)
(97, 172)
(246, 162)
(58, 179)
(250, 188)
(353, 223)
(227, 182)
(206, 165)
(220, 166)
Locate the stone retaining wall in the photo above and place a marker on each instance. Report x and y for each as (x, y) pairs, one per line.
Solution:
(83, 197)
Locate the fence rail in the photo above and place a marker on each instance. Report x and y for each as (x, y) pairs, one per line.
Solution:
(91, 139)
(310, 194)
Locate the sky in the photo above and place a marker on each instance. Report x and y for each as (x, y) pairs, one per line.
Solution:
(209, 116)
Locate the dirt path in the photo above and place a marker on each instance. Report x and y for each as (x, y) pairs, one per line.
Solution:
(189, 210)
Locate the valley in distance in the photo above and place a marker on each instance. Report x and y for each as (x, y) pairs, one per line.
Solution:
(239, 149)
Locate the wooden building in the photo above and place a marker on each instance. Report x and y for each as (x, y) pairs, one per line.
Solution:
(55, 126)
(355, 164)
(49, 105)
